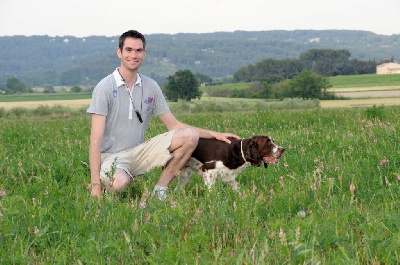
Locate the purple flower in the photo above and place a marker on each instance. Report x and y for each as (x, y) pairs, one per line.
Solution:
(383, 161)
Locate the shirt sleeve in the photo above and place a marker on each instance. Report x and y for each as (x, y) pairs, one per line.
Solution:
(100, 102)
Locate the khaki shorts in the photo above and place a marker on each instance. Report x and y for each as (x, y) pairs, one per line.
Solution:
(140, 159)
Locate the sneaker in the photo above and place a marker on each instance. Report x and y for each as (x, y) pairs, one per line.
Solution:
(160, 192)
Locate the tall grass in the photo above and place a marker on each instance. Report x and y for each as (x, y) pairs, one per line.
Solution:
(333, 198)
(215, 105)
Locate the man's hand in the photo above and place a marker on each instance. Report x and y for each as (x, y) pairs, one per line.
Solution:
(224, 136)
(96, 191)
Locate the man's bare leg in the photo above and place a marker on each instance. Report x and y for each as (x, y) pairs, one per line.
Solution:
(120, 181)
(183, 143)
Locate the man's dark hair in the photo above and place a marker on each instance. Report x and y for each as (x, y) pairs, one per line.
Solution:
(131, 34)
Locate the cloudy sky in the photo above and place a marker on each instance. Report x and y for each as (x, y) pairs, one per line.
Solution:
(82, 18)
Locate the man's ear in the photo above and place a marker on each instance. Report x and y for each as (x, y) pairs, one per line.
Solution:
(119, 53)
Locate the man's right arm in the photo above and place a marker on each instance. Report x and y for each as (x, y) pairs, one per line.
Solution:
(96, 136)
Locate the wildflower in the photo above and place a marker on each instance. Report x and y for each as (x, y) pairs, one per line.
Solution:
(1, 214)
(19, 164)
(36, 230)
(3, 193)
(398, 177)
(314, 186)
(282, 236)
(173, 204)
(281, 233)
(281, 182)
(315, 160)
(352, 187)
(309, 211)
(384, 161)
(254, 188)
(285, 164)
(375, 140)
(234, 205)
(302, 214)
(142, 204)
(297, 234)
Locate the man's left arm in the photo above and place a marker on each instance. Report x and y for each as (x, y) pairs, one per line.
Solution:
(172, 123)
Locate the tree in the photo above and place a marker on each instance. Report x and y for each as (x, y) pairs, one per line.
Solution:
(182, 85)
(328, 62)
(309, 85)
(201, 79)
(76, 89)
(14, 85)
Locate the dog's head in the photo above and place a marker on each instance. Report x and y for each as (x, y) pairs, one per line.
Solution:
(261, 148)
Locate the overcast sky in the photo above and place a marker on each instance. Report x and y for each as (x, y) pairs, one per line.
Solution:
(82, 18)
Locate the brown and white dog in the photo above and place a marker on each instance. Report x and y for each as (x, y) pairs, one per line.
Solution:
(214, 159)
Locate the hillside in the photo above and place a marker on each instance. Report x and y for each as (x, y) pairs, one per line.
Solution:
(65, 60)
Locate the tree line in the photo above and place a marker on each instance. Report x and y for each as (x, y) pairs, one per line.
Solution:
(325, 62)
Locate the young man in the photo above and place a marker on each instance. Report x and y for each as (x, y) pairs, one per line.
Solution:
(121, 106)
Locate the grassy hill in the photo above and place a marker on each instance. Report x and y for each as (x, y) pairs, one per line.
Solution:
(372, 80)
(367, 82)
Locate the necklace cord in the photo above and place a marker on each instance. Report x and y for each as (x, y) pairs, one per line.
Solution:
(138, 115)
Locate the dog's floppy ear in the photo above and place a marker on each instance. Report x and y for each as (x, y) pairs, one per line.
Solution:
(251, 152)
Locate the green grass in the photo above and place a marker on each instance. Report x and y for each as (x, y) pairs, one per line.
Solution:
(44, 97)
(48, 217)
(345, 81)
(371, 80)
(227, 86)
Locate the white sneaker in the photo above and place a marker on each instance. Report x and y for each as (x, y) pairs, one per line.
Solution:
(161, 192)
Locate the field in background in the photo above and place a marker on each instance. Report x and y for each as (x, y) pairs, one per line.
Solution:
(371, 80)
(363, 90)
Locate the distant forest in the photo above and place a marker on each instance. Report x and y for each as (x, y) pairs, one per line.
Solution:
(68, 60)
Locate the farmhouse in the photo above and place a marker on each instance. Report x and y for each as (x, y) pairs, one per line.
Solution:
(388, 68)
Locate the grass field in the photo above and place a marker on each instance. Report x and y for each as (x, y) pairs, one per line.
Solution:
(371, 80)
(333, 198)
(362, 87)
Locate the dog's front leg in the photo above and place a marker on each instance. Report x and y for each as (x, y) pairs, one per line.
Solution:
(209, 179)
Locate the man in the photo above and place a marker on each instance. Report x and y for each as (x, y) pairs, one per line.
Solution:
(121, 106)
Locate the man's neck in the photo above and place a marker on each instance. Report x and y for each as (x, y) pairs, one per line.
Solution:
(129, 77)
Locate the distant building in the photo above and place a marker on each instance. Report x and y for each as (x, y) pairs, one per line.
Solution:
(388, 68)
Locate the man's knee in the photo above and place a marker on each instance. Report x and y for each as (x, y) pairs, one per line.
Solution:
(190, 136)
(121, 180)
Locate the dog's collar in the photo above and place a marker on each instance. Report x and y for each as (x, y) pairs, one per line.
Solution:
(241, 151)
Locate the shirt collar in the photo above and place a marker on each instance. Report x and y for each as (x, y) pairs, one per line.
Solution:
(120, 82)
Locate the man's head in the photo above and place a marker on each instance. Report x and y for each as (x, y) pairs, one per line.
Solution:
(131, 50)
(131, 34)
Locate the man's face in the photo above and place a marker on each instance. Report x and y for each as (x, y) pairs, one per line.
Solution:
(132, 54)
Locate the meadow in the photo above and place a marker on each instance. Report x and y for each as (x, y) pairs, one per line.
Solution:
(332, 199)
